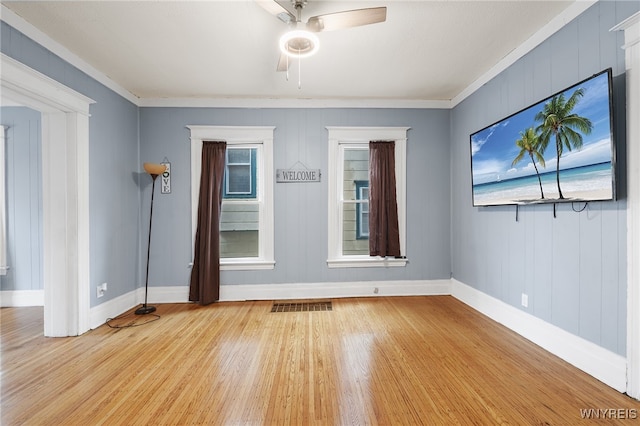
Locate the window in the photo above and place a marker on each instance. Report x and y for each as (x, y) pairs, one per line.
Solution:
(362, 209)
(240, 215)
(246, 220)
(240, 173)
(348, 176)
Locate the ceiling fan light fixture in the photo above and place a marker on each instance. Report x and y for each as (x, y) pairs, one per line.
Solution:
(299, 44)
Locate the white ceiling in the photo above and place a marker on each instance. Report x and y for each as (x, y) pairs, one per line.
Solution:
(426, 50)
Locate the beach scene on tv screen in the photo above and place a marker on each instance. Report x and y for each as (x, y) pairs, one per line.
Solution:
(557, 150)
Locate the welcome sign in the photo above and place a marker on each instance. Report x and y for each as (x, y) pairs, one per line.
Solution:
(300, 175)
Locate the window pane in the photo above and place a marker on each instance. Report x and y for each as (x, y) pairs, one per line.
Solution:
(239, 179)
(364, 225)
(238, 156)
(362, 209)
(239, 222)
(241, 173)
(239, 230)
(355, 227)
(356, 168)
(364, 194)
(351, 243)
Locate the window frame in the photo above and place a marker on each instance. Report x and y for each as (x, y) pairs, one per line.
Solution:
(3, 206)
(228, 195)
(260, 137)
(360, 186)
(340, 138)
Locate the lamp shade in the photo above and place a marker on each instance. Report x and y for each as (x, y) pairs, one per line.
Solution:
(154, 168)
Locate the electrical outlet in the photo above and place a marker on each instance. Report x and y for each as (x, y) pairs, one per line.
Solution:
(525, 300)
(101, 290)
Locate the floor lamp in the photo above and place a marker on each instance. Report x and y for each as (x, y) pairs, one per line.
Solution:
(154, 171)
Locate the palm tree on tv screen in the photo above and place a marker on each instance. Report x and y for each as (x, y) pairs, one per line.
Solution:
(558, 120)
(529, 143)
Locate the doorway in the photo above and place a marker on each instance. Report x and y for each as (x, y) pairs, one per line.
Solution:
(65, 193)
(21, 209)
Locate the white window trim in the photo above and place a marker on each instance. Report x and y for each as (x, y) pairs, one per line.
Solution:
(236, 135)
(250, 164)
(361, 212)
(354, 136)
(3, 206)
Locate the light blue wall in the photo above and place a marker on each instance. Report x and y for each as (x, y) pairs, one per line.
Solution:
(301, 209)
(23, 168)
(114, 199)
(573, 267)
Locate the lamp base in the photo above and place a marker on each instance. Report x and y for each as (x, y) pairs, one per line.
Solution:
(144, 309)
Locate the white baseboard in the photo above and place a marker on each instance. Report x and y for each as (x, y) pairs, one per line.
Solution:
(180, 294)
(20, 298)
(98, 315)
(241, 292)
(174, 294)
(334, 290)
(606, 366)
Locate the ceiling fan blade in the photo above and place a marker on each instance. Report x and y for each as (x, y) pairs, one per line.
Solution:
(347, 19)
(283, 64)
(277, 10)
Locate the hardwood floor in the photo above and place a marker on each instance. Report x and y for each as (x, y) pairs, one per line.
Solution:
(387, 361)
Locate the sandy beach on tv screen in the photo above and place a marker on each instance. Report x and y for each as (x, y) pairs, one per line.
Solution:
(549, 197)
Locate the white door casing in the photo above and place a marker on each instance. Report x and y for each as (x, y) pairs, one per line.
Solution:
(65, 193)
(631, 28)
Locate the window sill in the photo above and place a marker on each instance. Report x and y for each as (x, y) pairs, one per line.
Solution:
(245, 264)
(366, 262)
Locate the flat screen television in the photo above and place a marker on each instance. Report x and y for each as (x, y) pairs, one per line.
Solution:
(560, 149)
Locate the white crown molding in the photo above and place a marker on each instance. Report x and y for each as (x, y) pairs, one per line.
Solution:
(557, 23)
(20, 83)
(630, 24)
(14, 20)
(552, 27)
(292, 103)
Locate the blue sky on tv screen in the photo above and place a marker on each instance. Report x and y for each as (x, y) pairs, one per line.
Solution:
(493, 149)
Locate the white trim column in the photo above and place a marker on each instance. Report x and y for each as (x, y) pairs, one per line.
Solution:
(65, 193)
(631, 28)
(3, 207)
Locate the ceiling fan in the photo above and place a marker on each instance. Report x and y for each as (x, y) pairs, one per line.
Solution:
(301, 41)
